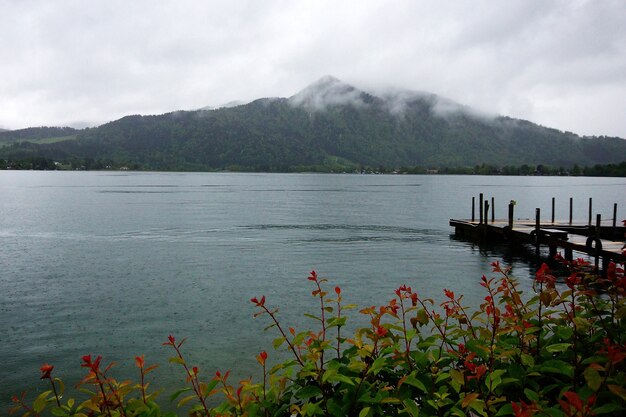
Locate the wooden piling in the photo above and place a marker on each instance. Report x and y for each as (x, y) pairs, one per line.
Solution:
(614, 231)
(590, 205)
(480, 207)
(493, 210)
(511, 208)
(571, 210)
(486, 211)
(596, 257)
(552, 210)
(473, 209)
(537, 231)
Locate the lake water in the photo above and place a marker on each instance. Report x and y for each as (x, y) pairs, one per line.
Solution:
(111, 263)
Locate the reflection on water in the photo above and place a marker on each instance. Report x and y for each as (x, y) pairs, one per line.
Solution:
(110, 264)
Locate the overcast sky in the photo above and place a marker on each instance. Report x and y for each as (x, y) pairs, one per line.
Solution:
(561, 64)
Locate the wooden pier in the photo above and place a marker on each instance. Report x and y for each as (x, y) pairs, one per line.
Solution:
(603, 243)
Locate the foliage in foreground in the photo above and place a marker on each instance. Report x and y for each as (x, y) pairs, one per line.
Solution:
(558, 353)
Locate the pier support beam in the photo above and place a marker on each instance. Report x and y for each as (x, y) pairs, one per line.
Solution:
(614, 231)
(552, 251)
(473, 209)
(486, 211)
(568, 254)
(537, 232)
(596, 257)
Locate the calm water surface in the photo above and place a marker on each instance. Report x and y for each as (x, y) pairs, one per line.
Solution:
(112, 263)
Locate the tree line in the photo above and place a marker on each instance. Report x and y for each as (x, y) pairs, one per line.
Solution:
(329, 166)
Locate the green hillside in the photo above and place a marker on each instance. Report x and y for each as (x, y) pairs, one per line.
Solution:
(329, 122)
(38, 135)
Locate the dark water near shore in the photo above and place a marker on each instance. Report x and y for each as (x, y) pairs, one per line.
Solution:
(111, 263)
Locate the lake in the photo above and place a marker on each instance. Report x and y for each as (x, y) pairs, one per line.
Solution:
(111, 263)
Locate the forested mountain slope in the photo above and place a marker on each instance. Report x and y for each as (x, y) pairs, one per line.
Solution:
(329, 121)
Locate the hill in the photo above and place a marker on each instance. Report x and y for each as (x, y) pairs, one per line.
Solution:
(37, 135)
(329, 122)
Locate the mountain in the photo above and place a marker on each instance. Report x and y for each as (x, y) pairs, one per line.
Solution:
(328, 122)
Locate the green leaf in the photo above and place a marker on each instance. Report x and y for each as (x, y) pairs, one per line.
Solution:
(557, 367)
(479, 406)
(582, 324)
(177, 393)
(527, 360)
(565, 333)
(469, 399)
(593, 378)
(311, 316)
(608, 408)
(422, 317)
(378, 364)
(493, 379)
(308, 391)
(505, 410)
(414, 382)
(61, 388)
(278, 341)
(312, 409)
(410, 407)
(335, 408)
(176, 359)
(41, 401)
(58, 412)
(206, 390)
(457, 379)
(333, 376)
(364, 412)
(185, 400)
(558, 347)
(531, 395)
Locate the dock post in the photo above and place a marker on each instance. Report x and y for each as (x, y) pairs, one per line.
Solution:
(590, 204)
(552, 210)
(486, 211)
(597, 234)
(473, 209)
(537, 231)
(552, 252)
(480, 207)
(511, 206)
(493, 210)
(571, 209)
(569, 255)
(614, 232)
(605, 265)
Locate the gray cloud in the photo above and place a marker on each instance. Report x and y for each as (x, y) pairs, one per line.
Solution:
(558, 63)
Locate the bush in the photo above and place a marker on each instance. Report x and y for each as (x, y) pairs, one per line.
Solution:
(557, 352)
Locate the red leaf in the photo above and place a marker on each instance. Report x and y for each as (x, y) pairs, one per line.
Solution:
(574, 400)
(46, 370)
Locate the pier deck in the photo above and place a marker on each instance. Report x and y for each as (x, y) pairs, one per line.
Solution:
(557, 235)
